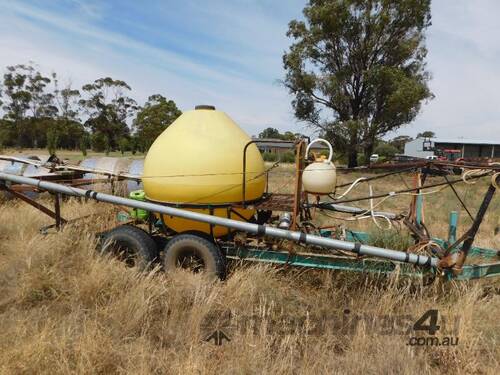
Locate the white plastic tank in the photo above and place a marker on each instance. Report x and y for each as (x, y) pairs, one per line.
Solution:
(320, 177)
(90, 164)
(4, 164)
(27, 170)
(34, 172)
(106, 165)
(15, 168)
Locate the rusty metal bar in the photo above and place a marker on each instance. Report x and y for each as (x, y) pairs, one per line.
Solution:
(471, 233)
(33, 203)
(367, 179)
(57, 210)
(297, 194)
(459, 198)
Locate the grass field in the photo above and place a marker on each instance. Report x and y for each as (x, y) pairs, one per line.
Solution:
(66, 309)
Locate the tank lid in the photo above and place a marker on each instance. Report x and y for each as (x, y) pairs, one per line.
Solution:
(204, 106)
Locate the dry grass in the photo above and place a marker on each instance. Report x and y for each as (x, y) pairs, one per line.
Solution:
(66, 309)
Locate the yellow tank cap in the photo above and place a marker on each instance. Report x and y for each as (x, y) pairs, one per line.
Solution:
(205, 106)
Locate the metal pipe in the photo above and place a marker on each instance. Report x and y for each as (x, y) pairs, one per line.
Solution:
(244, 182)
(352, 210)
(36, 163)
(382, 195)
(452, 229)
(257, 229)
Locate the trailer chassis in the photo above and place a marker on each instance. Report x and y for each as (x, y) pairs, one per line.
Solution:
(364, 258)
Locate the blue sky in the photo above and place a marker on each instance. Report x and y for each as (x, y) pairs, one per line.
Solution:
(228, 53)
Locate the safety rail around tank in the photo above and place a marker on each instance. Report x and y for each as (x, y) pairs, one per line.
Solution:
(253, 141)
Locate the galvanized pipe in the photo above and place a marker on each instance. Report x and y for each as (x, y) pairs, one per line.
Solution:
(261, 230)
(352, 210)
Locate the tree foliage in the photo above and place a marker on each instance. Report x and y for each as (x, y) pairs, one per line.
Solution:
(40, 111)
(108, 108)
(426, 134)
(386, 149)
(156, 115)
(356, 68)
(270, 133)
(27, 104)
(274, 133)
(400, 141)
(36, 112)
(24, 91)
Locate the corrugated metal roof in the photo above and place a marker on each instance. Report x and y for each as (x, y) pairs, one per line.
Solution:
(278, 143)
(466, 141)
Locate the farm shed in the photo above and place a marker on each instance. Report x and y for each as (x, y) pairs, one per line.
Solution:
(468, 148)
(278, 146)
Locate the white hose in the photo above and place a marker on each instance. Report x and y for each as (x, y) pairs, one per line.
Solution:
(351, 187)
(372, 215)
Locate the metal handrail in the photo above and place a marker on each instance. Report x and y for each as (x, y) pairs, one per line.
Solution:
(243, 200)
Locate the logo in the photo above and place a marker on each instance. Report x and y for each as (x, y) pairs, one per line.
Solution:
(431, 328)
(217, 337)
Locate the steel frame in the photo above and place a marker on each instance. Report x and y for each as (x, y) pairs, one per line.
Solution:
(451, 266)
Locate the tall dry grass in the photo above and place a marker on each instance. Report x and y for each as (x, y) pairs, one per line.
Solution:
(66, 309)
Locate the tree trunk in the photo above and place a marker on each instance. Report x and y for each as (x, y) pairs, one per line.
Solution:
(368, 151)
(353, 157)
(352, 152)
(369, 147)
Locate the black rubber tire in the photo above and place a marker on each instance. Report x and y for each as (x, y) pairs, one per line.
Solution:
(194, 252)
(132, 244)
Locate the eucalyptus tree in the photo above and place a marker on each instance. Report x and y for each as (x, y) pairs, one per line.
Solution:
(108, 108)
(356, 68)
(27, 103)
(156, 115)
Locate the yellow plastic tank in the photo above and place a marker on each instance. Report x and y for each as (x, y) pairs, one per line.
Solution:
(198, 161)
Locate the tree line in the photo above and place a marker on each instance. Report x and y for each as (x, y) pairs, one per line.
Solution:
(40, 112)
